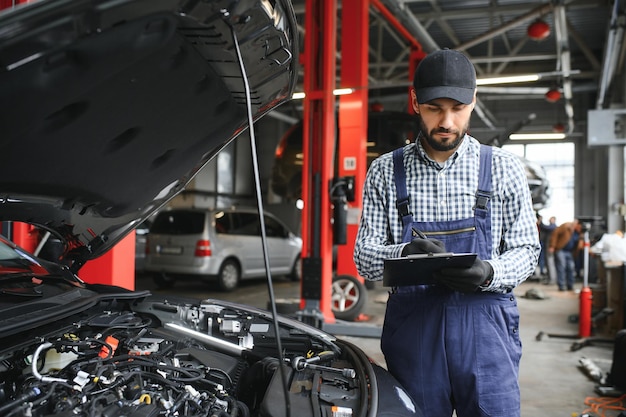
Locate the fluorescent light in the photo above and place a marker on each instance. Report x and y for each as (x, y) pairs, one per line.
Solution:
(537, 136)
(337, 92)
(507, 80)
(343, 91)
(525, 77)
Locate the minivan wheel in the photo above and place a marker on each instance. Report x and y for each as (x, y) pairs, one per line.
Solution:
(348, 297)
(296, 270)
(162, 280)
(229, 275)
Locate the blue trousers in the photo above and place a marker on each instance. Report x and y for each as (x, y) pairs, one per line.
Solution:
(565, 269)
(463, 351)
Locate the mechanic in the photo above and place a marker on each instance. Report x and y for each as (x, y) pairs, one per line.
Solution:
(454, 345)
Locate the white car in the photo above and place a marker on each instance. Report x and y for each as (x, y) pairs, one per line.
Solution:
(221, 244)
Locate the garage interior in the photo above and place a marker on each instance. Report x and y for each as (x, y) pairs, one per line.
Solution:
(575, 52)
(579, 59)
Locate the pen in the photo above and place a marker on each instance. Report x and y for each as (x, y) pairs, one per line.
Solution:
(417, 232)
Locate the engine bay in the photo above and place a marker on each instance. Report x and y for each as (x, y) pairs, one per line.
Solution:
(157, 358)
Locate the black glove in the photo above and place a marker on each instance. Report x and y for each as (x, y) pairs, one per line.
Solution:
(419, 245)
(466, 279)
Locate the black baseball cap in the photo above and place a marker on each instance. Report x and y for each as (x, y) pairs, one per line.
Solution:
(445, 73)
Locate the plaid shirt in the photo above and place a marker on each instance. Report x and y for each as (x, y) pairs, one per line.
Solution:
(443, 192)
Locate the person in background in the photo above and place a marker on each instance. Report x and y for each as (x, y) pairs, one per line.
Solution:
(545, 231)
(542, 255)
(454, 345)
(565, 243)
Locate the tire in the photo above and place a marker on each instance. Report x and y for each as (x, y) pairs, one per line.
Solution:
(229, 275)
(348, 297)
(296, 270)
(163, 280)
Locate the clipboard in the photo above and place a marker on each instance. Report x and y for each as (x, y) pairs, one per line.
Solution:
(419, 269)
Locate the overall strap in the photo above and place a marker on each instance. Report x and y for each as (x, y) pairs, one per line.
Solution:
(483, 194)
(402, 201)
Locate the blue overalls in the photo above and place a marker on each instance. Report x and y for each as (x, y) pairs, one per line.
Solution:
(452, 350)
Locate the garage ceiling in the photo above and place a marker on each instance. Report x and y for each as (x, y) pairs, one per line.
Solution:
(580, 57)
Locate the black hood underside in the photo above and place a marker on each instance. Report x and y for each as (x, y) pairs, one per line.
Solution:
(111, 107)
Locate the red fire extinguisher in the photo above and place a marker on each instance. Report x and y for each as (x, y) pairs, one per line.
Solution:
(584, 317)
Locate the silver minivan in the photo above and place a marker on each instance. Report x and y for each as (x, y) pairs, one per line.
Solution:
(221, 244)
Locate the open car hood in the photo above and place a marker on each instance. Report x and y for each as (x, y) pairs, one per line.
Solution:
(112, 106)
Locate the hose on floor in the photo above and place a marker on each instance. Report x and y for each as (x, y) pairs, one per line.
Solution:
(599, 406)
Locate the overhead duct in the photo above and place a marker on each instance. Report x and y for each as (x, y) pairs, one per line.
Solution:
(614, 43)
(410, 22)
(564, 62)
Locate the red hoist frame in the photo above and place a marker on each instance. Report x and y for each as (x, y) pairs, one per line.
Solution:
(319, 142)
(318, 150)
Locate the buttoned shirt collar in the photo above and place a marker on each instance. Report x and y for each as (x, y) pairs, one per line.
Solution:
(423, 156)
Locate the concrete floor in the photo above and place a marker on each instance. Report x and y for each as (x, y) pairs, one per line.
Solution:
(552, 383)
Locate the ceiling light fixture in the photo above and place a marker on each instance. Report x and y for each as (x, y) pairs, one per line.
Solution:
(336, 92)
(537, 136)
(524, 78)
(508, 80)
(342, 91)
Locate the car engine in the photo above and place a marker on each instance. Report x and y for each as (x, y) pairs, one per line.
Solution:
(158, 358)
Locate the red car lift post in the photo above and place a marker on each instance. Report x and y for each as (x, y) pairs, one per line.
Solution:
(353, 110)
(352, 154)
(22, 234)
(319, 123)
(319, 148)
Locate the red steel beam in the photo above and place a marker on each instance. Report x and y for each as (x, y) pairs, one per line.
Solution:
(397, 25)
(417, 52)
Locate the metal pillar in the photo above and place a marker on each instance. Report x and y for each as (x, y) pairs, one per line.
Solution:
(615, 188)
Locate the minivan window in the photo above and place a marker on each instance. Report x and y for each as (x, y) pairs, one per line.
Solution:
(248, 224)
(274, 229)
(223, 223)
(178, 223)
(245, 224)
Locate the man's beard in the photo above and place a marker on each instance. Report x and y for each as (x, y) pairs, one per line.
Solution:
(439, 146)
